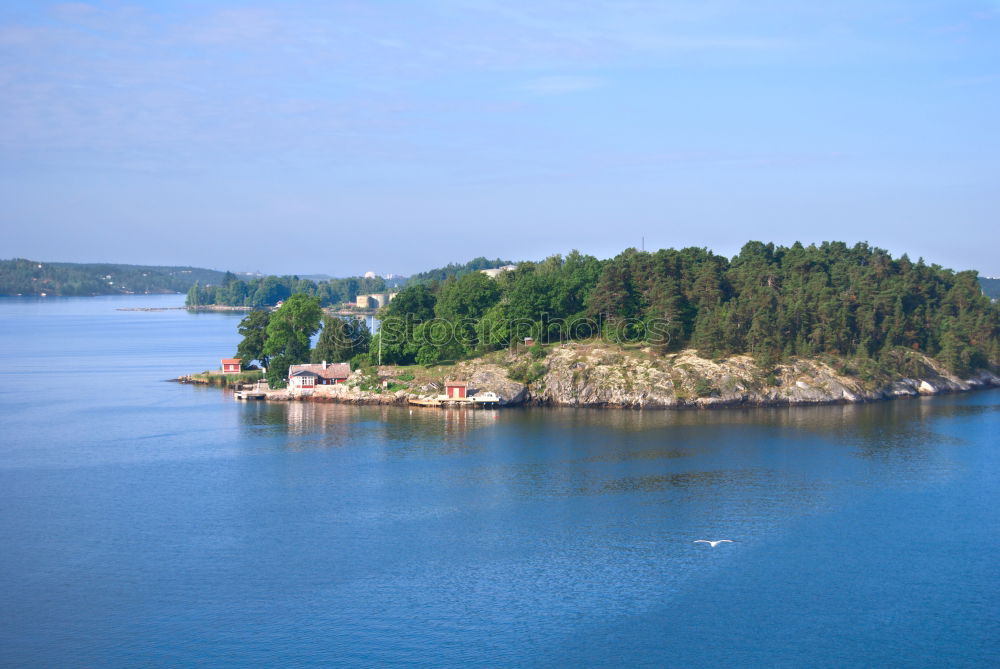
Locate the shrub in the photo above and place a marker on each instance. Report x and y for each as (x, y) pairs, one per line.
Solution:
(525, 373)
(703, 388)
(361, 360)
(518, 372)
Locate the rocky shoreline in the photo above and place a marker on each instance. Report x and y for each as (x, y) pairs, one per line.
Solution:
(601, 375)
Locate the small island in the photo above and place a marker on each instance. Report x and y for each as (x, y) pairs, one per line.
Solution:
(666, 329)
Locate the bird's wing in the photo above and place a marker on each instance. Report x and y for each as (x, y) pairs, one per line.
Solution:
(728, 541)
(701, 541)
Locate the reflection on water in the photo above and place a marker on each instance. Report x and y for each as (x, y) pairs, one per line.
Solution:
(870, 421)
(753, 462)
(889, 429)
(307, 425)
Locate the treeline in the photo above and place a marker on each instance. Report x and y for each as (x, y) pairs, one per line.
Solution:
(267, 291)
(456, 270)
(31, 277)
(991, 287)
(770, 301)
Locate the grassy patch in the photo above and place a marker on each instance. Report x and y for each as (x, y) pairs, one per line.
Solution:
(227, 380)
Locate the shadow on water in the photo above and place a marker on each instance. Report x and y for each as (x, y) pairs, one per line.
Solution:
(873, 430)
(789, 457)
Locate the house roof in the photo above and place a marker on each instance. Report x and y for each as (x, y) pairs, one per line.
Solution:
(460, 384)
(231, 361)
(334, 370)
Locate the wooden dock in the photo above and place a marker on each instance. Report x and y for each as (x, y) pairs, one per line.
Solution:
(425, 402)
(257, 392)
(250, 395)
(484, 401)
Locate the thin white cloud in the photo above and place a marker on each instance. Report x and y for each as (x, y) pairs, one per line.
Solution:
(708, 42)
(561, 85)
(235, 26)
(22, 36)
(72, 11)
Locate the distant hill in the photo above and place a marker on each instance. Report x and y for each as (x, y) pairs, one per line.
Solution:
(456, 270)
(991, 287)
(32, 277)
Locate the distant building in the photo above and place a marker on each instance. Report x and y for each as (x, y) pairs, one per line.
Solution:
(370, 275)
(456, 389)
(231, 365)
(529, 341)
(322, 374)
(494, 273)
(373, 301)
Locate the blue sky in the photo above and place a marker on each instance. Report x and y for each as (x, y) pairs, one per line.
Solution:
(339, 137)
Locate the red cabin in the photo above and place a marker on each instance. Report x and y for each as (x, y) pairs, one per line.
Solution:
(231, 365)
(456, 389)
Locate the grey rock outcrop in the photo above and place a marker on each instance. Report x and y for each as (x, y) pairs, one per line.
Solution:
(485, 377)
(603, 375)
(593, 376)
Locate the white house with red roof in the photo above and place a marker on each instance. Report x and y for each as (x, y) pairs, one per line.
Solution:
(318, 374)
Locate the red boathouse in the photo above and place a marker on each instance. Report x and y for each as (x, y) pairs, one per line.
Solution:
(456, 389)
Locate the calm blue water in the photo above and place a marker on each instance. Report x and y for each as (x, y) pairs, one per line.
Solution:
(146, 523)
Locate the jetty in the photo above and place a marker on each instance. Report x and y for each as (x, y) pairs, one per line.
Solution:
(485, 400)
(426, 401)
(257, 392)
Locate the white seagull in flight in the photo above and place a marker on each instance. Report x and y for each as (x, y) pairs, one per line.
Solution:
(715, 543)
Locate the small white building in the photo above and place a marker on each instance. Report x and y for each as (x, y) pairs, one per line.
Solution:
(494, 273)
(374, 300)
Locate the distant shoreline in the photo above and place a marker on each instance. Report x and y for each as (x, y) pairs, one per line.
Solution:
(243, 309)
(207, 307)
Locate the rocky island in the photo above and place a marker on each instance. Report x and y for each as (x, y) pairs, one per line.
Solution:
(672, 328)
(584, 374)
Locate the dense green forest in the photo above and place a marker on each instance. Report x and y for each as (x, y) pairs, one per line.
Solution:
(269, 290)
(771, 301)
(30, 277)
